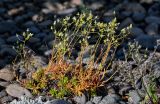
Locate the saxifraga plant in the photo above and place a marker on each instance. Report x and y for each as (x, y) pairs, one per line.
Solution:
(21, 44)
(67, 79)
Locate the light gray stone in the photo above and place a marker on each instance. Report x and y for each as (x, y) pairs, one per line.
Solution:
(7, 74)
(16, 90)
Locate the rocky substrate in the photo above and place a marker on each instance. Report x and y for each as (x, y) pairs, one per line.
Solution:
(38, 15)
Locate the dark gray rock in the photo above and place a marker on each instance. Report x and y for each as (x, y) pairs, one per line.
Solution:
(2, 41)
(2, 63)
(28, 24)
(134, 7)
(33, 40)
(125, 14)
(40, 35)
(147, 41)
(8, 51)
(14, 39)
(3, 93)
(138, 16)
(152, 19)
(125, 23)
(134, 97)
(50, 44)
(8, 26)
(34, 30)
(43, 49)
(19, 19)
(45, 24)
(152, 29)
(48, 38)
(2, 11)
(111, 99)
(154, 10)
(135, 31)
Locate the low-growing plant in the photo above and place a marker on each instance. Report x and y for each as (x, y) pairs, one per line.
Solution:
(144, 62)
(68, 79)
(21, 44)
(24, 52)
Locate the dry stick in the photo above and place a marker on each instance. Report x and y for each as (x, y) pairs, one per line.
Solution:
(106, 53)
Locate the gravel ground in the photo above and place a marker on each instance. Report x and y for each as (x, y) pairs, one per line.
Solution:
(38, 15)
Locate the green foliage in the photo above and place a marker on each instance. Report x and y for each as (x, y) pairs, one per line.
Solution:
(39, 81)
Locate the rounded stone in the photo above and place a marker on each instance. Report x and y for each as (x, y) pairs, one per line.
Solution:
(7, 74)
(16, 90)
(138, 16)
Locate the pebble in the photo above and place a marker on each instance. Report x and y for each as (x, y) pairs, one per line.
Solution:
(4, 83)
(138, 16)
(3, 93)
(8, 51)
(57, 101)
(152, 19)
(28, 24)
(2, 11)
(96, 99)
(8, 26)
(7, 74)
(80, 99)
(156, 69)
(134, 97)
(17, 91)
(154, 9)
(6, 99)
(45, 24)
(125, 90)
(135, 7)
(34, 30)
(33, 40)
(135, 32)
(67, 11)
(40, 35)
(2, 63)
(15, 11)
(125, 23)
(147, 41)
(110, 99)
(152, 29)
(2, 41)
(147, 1)
(14, 39)
(89, 102)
